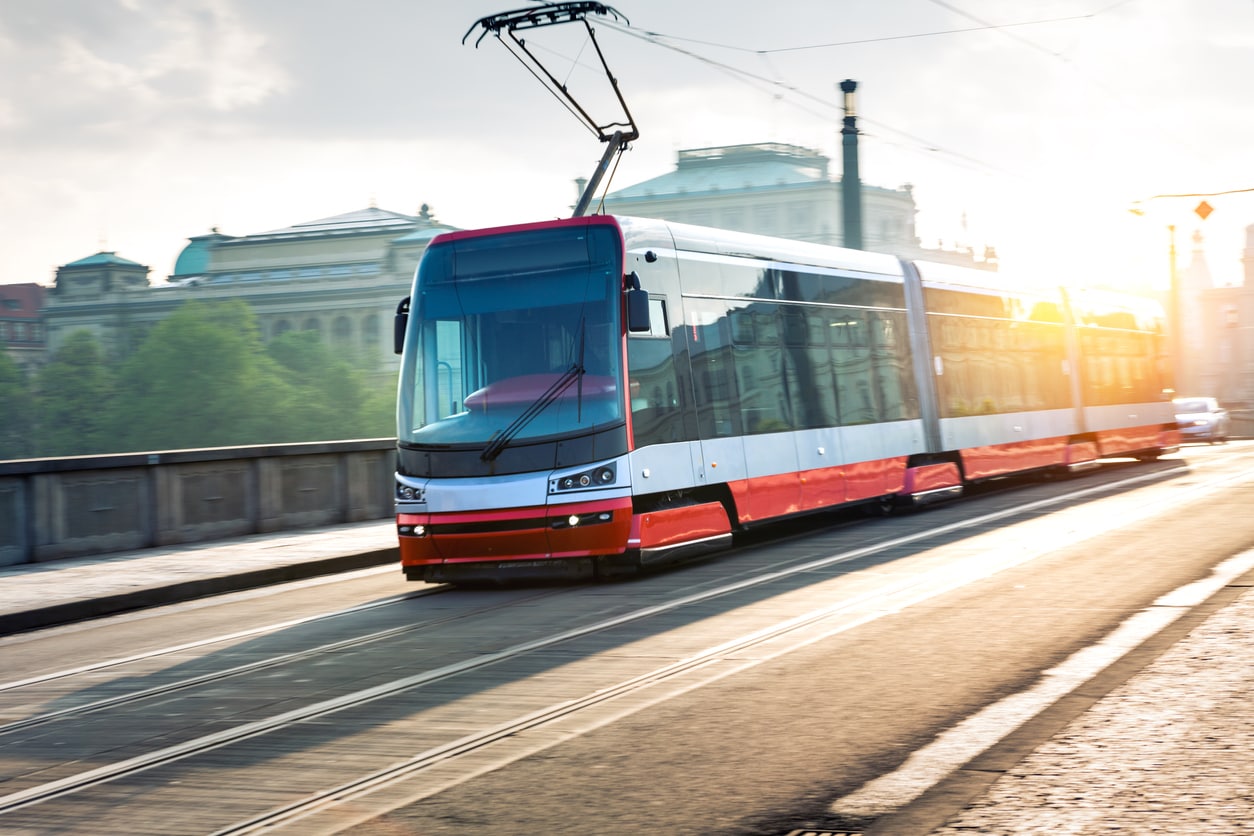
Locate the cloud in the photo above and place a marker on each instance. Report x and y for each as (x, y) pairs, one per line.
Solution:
(110, 73)
(146, 121)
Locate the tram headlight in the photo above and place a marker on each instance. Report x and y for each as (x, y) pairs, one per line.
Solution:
(408, 493)
(581, 520)
(411, 530)
(598, 477)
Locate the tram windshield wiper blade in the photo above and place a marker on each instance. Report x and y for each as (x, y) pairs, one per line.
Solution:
(502, 439)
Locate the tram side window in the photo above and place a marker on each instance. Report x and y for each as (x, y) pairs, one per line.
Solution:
(894, 380)
(762, 370)
(808, 366)
(851, 357)
(709, 332)
(1119, 367)
(992, 366)
(1043, 349)
(658, 413)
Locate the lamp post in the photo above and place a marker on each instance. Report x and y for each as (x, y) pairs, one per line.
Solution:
(1182, 367)
(850, 182)
(1175, 312)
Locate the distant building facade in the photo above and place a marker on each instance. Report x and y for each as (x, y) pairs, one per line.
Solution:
(340, 276)
(1217, 328)
(781, 190)
(21, 326)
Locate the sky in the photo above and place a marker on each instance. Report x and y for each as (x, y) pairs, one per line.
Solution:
(1034, 127)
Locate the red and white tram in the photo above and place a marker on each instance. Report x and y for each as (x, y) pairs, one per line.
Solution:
(588, 396)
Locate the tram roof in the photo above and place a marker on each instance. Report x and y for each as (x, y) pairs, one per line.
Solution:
(700, 239)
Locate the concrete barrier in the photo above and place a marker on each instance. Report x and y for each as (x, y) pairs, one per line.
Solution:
(56, 508)
(1242, 423)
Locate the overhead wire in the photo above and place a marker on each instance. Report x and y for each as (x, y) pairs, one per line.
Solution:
(782, 89)
(827, 103)
(882, 39)
(1114, 95)
(804, 100)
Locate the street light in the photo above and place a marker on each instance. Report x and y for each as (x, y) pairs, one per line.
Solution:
(1175, 313)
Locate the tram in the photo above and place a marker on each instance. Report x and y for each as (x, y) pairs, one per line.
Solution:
(590, 396)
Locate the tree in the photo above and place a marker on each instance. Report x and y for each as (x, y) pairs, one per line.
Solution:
(16, 411)
(203, 379)
(378, 411)
(73, 397)
(334, 399)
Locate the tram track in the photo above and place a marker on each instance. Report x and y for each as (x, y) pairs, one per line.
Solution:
(238, 670)
(626, 689)
(209, 642)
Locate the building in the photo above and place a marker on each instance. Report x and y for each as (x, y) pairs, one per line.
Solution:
(781, 190)
(21, 326)
(1218, 329)
(96, 294)
(341, 276)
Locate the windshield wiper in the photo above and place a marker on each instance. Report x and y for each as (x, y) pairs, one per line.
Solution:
(502, 439)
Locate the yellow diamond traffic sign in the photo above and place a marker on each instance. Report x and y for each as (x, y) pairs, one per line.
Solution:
(1204, 209)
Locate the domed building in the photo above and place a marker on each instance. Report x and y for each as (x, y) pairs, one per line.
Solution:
(341, 276)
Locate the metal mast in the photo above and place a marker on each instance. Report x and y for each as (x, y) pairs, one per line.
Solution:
(505, 26)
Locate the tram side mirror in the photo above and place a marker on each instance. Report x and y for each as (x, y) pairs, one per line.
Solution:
(399, 324)
(637, 305)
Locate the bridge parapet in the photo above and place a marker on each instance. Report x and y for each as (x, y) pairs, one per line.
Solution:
(56, 508)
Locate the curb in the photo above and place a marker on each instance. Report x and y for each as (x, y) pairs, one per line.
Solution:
(56, 615)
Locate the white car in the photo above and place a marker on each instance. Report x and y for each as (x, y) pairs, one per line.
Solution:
(1201, 419)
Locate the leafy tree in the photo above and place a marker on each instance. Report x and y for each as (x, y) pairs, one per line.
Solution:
(16, 410)
(203, 379)
(334, 399)
(74, 393)
(378, 419)
(328, 392)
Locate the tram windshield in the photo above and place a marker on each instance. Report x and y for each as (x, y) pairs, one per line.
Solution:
(513, 337)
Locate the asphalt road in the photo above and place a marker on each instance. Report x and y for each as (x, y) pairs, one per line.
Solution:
(750, 694)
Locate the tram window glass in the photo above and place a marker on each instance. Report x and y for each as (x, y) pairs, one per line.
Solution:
(766, 406)
(796, 327)
(851, 356)
(965, 302)
(835, 289)
(998, 366)
(816, 401)
(701, 277)
(658, 324)
(741, 322)
(766, 326)
(849, 328)
(535, 253)
(716, 276)
(762, 367)
(657, 407)
(816, 330)
(894, 381)
(708, 330)
(743, 278)
(1119, 367)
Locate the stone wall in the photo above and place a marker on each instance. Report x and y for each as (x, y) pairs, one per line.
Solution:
(55, 508)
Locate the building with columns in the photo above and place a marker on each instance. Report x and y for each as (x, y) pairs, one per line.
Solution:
(341, 276)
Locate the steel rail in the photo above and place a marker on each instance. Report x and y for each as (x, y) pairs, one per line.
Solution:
(74, 712)
(77, 782)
